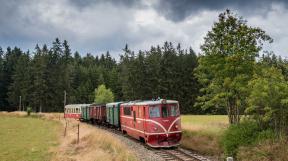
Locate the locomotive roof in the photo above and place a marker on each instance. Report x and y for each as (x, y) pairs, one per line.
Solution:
(76, 105)
(150, 102)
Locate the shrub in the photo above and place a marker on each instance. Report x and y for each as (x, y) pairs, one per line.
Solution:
(244, 133)
(29, 110)
(266, 135)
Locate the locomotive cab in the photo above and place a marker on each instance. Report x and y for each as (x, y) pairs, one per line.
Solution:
(155, 122)
(163, 124)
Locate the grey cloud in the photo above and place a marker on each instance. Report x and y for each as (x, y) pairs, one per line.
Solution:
(97, 26)
(88, 3)
(178, 10)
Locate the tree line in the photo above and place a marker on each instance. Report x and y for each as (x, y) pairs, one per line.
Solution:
(41, 77)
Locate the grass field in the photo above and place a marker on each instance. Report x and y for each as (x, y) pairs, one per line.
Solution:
(27, 139)
(40, 138)
(204, 123)
(202, 132)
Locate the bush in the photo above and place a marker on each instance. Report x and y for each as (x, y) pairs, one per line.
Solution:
(29, 110)
(244, 133)
(266, 150)
(266, 135)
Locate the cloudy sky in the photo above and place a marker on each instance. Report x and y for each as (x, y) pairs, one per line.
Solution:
(96, 26)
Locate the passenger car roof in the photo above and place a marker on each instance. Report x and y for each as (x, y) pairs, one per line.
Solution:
(113, 103)
(76, 105)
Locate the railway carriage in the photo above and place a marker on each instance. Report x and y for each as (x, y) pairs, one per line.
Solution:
(72, 111)
(85, 116)
(97, 113)
(113, 113)
(157, 123)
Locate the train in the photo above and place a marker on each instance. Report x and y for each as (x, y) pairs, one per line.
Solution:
(157, 123)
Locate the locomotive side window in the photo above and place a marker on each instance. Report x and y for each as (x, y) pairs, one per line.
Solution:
(127, 111)
(154, 111)
(134, 115)
(139, 112)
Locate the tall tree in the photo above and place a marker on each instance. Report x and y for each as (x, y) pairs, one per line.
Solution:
(227, 63)
(103, 95)
(21, 82)
(10, 60)
(127, 79)
(40, 87)
(2, 81)
(268, 99)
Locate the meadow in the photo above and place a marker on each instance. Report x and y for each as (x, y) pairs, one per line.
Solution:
(202, 133)
(26, 138)
(40, 137)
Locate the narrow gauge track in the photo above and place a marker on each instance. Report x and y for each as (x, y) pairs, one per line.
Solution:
(168, 154)
(179, 154)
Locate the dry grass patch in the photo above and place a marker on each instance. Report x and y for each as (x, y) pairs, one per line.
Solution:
(265, 151)
(94, 144)
(203, 143)
(202, 133)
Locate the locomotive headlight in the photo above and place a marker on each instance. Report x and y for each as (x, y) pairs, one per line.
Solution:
(176, 126)
(155, 128)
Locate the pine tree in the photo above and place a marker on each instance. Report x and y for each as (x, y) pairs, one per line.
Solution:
(21, 82)
(40, 88)
(2, 82)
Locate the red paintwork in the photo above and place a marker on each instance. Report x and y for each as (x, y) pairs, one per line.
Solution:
(72, 111)
(98, 113)
(157, 132)
(72, 115)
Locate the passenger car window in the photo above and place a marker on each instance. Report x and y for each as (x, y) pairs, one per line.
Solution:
(154, 111)
(127, 111)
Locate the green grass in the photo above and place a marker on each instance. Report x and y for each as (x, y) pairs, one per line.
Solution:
(26, 138)
(213, 124)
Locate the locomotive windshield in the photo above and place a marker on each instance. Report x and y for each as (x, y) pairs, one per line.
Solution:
(163, 111)
(174, 110)
(154, 111)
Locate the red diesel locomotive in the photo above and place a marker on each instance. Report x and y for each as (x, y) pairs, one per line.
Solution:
(157, 123)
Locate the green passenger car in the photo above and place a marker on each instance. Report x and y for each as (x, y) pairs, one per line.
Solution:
(85, 116)
(113, 113)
